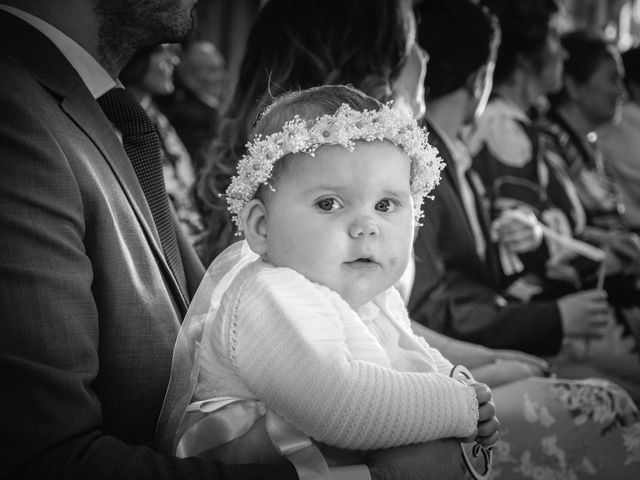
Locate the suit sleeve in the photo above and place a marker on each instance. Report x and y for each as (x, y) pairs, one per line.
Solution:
(479, 315)
(454, 295)
(50, 414)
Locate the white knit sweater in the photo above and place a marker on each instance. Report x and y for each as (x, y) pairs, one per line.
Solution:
(352, 380)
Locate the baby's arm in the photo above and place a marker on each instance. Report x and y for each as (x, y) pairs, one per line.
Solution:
(287, 344)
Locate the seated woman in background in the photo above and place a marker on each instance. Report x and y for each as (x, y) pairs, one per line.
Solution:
(591, 97)
(149, 74)
(200, 87)
(620, 143)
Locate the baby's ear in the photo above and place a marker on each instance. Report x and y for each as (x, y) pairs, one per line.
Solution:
(254, 222)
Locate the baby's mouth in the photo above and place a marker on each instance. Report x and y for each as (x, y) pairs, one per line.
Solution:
(363, 262)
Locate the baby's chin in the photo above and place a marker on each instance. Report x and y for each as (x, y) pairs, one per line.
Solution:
(358, 301)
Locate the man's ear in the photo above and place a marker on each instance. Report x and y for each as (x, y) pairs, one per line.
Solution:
(254, 222)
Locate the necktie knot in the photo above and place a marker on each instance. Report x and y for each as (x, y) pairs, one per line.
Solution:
(126, 113)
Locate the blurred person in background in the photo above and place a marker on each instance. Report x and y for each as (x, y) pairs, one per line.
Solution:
(592, 97)
(193, 108)
(620, 143)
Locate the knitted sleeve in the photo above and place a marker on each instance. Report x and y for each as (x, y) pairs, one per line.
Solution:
(287, 345)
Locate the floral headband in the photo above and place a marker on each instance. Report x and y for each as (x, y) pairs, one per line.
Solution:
(342, 128)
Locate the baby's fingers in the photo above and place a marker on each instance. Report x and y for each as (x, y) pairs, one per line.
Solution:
(488, 432)
(483, 392)
(486, 411)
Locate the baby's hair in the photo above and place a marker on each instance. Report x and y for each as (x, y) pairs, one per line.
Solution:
(308, 105)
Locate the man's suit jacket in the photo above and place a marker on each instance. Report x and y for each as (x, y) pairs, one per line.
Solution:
(89, 310)
(457, 293)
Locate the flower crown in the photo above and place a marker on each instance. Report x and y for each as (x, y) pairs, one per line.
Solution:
(342, 128)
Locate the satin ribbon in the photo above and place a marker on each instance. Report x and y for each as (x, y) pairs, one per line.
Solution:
(211, 423)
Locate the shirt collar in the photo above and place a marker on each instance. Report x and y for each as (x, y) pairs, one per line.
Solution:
(459, 153)
(94, 76)
(507, 108)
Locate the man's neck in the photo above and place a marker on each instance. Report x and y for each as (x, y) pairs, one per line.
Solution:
(520, 90)
(448, 111)
(574, 117)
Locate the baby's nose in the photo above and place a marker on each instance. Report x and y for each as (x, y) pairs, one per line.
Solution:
(363, 227)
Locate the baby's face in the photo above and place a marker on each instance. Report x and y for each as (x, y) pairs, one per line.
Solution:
(344, 219)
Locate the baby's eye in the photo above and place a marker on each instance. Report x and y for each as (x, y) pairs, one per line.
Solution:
(328, 204)
(386, 205)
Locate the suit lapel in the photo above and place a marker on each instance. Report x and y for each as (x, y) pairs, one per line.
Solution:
(47, 64)
(490, 264)
(452, 177)
(445, 154)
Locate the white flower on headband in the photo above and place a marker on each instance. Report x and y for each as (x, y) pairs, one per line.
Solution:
(344, 127)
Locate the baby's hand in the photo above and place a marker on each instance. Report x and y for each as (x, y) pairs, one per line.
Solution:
(487, 432)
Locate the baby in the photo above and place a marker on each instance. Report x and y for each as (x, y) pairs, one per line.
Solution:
(304, 331)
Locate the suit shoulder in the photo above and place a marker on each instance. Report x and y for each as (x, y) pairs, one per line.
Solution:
(14, 74)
